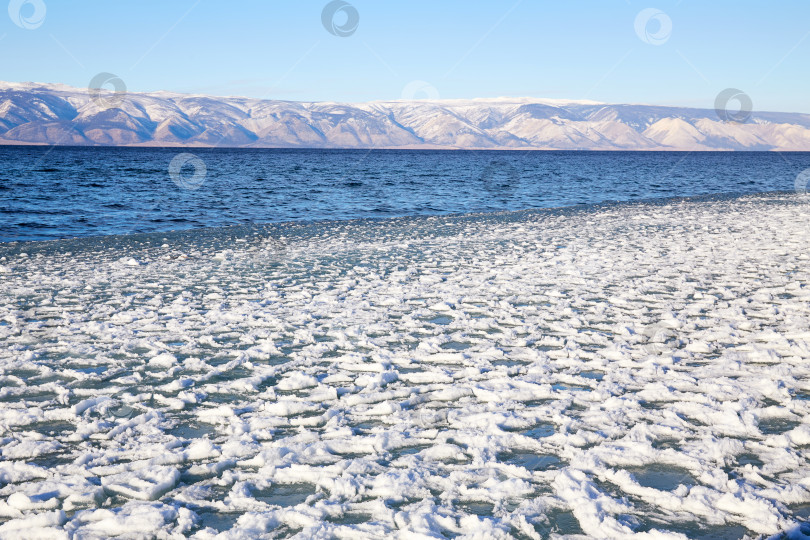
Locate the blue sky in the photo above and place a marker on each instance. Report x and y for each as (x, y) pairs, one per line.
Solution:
(280, 49)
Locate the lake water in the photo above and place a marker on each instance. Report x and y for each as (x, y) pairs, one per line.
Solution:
(50, 193)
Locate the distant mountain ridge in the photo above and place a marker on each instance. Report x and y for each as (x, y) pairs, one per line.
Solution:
(55, 114)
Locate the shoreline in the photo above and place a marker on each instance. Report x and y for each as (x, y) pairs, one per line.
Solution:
(269, 227)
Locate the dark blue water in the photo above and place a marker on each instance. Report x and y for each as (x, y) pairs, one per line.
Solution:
(49, 193)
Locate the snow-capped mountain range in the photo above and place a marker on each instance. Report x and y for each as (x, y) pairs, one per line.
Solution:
(55, 114)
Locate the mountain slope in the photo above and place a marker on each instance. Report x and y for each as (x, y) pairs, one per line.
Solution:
(32, 113)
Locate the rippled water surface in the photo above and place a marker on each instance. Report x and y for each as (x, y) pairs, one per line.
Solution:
(48, 193)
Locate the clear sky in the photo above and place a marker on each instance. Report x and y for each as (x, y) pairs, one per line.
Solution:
(687, 52)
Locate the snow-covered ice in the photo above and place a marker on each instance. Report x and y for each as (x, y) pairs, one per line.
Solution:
(638, 369)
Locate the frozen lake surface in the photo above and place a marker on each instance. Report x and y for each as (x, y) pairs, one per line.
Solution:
(602, 371)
